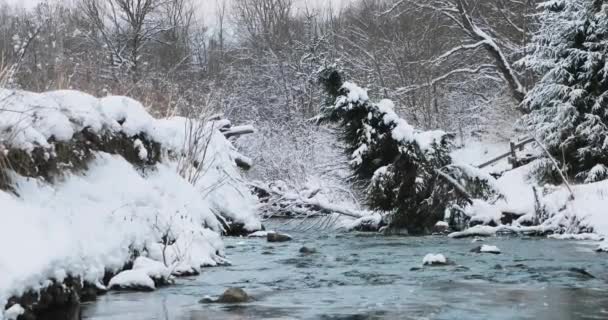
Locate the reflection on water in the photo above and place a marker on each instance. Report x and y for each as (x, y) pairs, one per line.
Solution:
(375, 277)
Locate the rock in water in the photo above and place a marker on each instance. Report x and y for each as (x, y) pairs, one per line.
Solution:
(486, 249)
(582, 272)
(277, 237)
(233, 295)
(307, 250)
(441, 227)
(434, 260)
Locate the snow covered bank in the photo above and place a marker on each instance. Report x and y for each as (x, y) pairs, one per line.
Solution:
(135, 193)
(526, 205)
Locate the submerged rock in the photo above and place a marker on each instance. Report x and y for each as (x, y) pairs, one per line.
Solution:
(582, 272)
(278, 237)
(231, 295)
(307, 250)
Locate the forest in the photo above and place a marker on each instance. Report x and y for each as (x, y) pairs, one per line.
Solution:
(355, 149)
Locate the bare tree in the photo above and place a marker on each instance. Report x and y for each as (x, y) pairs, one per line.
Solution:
(471, 20)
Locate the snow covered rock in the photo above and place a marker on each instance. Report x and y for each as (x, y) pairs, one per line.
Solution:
(154, 269)
(486, 249)
(434, 260)
(259, 234)
(369, 223)
(136, 280)
(13, 312)
(476, 231)
(603, 247)
(441, 227)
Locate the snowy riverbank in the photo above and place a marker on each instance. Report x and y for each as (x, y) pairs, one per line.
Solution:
(549, 209)
(84, 212)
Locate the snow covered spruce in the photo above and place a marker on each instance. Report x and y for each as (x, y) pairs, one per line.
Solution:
(405, 172)
(415, 178)
(87, 185)
(567, 107)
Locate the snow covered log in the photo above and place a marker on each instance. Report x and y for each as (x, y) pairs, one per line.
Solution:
(237, 131)
(275, 202)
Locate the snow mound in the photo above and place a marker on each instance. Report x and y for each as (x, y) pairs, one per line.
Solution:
(434, 259)
(132, 280)
(154, 269)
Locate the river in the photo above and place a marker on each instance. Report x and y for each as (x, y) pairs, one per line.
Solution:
(368, 276)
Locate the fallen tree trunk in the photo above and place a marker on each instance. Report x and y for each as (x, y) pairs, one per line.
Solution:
(278, 203)
(238, 131)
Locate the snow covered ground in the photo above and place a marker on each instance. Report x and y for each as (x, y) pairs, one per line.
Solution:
(88, 222)
(586, 211)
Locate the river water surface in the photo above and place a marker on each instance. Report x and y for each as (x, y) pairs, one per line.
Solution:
(365, 276)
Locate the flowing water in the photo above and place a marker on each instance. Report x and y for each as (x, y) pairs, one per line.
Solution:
(365, 276)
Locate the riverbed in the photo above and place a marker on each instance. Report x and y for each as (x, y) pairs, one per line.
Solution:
(369, 276)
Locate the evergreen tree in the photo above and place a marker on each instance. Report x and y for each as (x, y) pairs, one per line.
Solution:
(397, 163)
(568, 106)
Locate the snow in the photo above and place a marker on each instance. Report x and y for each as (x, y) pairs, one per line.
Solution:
(14, 312)
(385, 109)
(260, 234)
(355, 93)
(426, 139)
(88, 222)
(442, 224)
(142, 151)
(433, 259)
(478, 230)
(132, 279)
(154, 269)
(581, 236)
(516, 187)
(222, 184)
(489, 249)
(373, 221)
(483, 212)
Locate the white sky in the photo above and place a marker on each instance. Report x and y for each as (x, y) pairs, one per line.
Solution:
(207, 6)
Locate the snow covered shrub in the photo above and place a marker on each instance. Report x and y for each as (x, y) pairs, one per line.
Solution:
(397, 163)
(568, 105)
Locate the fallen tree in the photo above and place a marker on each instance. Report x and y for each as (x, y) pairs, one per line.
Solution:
(405, 172)
(275, 202)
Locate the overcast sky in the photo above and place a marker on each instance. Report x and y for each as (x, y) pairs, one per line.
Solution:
(207, 6)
